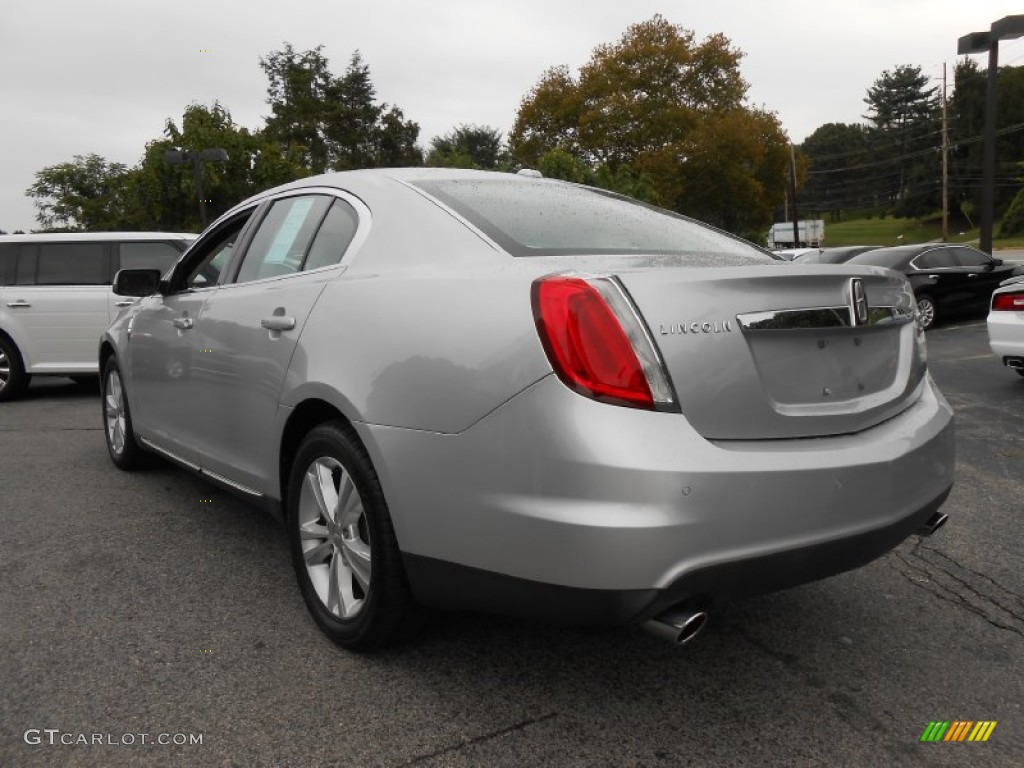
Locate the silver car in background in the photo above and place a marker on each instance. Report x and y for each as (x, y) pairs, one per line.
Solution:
(485, 391)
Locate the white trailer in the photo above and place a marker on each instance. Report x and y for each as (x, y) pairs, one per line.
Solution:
(811, 234)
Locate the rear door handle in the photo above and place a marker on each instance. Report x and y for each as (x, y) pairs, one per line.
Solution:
(185, 323)
(278, 323)
(124, 303)
(972, 274)
(18, 303)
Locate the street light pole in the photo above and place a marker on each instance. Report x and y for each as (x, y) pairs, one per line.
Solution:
(1007, 28)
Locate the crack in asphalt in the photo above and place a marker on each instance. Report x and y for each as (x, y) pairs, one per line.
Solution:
(861, 719)
(478, 739)
(37, 430)
(947, 579)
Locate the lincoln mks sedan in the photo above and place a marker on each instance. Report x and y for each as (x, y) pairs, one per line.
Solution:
(497, 392)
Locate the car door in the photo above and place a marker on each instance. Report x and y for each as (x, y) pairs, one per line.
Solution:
(58, 305)
(251, 326)
(164, 354)
(935, 272)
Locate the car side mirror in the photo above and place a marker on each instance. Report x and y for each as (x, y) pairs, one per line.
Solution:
(997, 262)
(136, 282)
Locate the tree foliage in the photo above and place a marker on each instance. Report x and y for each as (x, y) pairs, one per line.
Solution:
(318, 122)
(335, 123)
(86, 193)
(661, 114)
(469, 146)
(905, 113)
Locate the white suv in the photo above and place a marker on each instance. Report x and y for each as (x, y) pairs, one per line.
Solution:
(55, 297)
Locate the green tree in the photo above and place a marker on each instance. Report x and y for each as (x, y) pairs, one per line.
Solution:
(85, 194)
(335, 123)
(670, 110)
(904, 112)
(841, 172)
(300, 92)
(165, 196)
(469, 146)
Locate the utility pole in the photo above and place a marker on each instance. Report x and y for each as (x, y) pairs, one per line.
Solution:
(792, 194)
(945, 161)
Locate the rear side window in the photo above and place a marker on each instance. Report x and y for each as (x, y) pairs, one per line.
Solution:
(282, 238)
(333, 237)
(72, 264)
(147, 255)
(968, 257)
(542, 217)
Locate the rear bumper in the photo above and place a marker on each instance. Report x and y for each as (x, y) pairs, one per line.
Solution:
(459, 587)
(1006, 334)
(569, 510)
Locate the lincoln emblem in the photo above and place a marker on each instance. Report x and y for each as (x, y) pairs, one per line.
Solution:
(858, 302)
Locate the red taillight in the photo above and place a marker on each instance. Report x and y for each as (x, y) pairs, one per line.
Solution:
(586, 343)
(1013, 302)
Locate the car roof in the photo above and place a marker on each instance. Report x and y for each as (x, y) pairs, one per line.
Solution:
(91, 237)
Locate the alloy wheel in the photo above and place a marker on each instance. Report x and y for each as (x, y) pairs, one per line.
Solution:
(926, 311)
(113, 408)
(5, 369)
(335, 537)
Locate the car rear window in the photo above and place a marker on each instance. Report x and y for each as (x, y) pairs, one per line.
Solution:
(543, 217)
(892, 258)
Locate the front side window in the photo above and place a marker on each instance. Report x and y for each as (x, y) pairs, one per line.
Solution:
(211, 257)
(937, 259)
(72, 264)
(280, 243)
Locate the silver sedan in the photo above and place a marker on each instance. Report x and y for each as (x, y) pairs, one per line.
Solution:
(469, 390)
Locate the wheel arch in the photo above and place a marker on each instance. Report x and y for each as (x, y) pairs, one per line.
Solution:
(14, 345)
(305, 416)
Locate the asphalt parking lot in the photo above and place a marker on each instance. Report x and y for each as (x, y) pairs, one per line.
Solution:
(156, 604)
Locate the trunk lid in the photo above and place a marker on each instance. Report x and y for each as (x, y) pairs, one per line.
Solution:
(770, 352)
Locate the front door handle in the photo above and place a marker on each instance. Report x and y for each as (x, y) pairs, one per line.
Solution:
(278, 323)
(18, 303)
(184, 323)
(972, 274)
(124, 303)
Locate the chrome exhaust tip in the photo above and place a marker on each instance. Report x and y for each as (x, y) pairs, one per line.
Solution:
(1017, 363)
(677, 626)
(933, 524)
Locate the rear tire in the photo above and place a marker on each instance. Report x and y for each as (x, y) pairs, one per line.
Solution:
(343, 544)
(13, 379)
(927, 311)
(124, 451)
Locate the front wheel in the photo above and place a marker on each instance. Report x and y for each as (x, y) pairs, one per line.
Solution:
(343, 544)
(124, 451)
(926, 311)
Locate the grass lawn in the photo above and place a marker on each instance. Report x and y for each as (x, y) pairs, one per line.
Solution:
(890, 231)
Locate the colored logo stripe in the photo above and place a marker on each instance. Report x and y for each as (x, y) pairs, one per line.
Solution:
(958, 730)
(982, 730)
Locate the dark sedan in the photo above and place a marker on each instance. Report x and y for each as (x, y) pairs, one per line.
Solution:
(947, 279)
(834, 255)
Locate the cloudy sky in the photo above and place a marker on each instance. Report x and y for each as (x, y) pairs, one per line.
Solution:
(103, 76)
